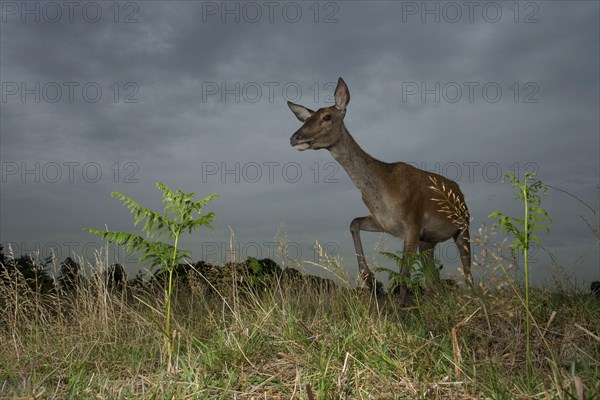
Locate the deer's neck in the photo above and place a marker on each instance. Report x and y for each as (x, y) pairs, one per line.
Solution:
(366, 172)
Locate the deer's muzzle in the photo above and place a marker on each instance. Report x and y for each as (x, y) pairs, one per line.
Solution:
(298, 142)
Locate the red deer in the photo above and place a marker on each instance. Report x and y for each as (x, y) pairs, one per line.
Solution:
(401, 199)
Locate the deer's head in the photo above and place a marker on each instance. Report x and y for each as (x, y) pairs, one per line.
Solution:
(324, 127)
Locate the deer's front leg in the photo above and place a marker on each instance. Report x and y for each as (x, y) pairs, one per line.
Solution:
(432, 273)
(369, 224)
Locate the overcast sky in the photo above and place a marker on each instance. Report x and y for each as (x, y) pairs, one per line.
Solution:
(100, 97)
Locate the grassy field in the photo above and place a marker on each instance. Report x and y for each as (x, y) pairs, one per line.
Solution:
(292, 337)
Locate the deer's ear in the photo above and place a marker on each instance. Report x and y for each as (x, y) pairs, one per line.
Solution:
(301, 112)
(342, 95)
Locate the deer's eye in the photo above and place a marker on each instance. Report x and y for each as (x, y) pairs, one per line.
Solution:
(327, 117)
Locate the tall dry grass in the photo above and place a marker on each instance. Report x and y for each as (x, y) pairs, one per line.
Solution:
(288, 336)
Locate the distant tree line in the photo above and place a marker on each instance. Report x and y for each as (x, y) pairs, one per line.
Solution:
(38, 277)
(251, 274)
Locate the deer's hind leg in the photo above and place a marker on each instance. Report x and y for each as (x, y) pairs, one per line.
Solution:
(463, 242)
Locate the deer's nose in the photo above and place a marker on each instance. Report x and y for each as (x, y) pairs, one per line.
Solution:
(295, 139)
